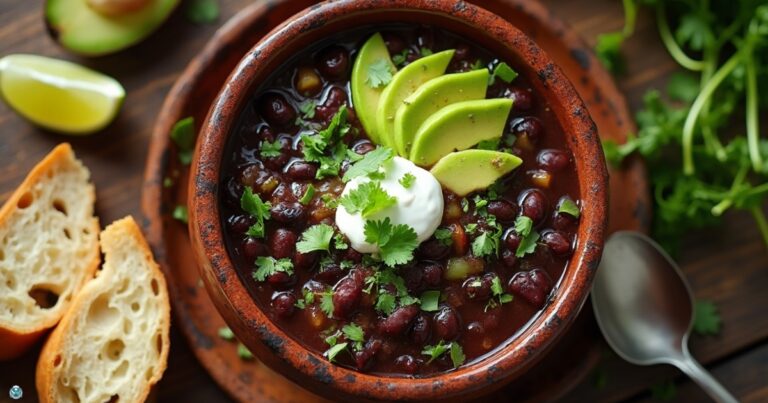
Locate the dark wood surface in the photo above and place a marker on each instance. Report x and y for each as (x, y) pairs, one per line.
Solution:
(728, 265)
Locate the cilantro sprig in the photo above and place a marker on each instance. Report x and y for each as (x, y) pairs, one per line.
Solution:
(252, 204)
(315, 238)
(369, 164)
(379, 74)
(438, 350)
(529, 236)
(327, 147)
(367, 199)
(267, 266)
(396, 242)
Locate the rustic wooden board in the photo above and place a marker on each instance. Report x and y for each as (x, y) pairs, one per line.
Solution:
(729, 266)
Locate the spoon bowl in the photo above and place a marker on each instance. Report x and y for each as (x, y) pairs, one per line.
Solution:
(644, 307)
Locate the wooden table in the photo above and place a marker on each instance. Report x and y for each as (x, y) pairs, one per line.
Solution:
(728, 265)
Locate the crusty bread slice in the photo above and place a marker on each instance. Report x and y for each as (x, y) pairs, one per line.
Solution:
(48, 248)
(112, 345)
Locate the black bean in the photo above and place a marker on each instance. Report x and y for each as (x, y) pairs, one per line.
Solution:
(433, 249)
(283, 304)
(477, 288)
(371, 348)
(397, 322)
(253, 248)
(553, 160)
(532, 286)
(557, 242)
(534, 205)
(346, 295)
(433, 273)
(446, 323)
(530, 127)
(282, 243)
(522, 99)
(503, 210)
(240, 223)
(288, 213)
(395, 44)
(305, 261)
(363, 147)
(301, 170)
(277, 110)
(407, 364)
(334, 62)
(509, 258)
(421, 329)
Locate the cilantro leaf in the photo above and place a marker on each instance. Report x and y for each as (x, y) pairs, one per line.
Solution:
(251, 203)
(329, 201)
(523, 225)
(225, 333)
(267, 266)
(445, 236)
(307, 108)
(353, 332)
(406, 300)
(332, 352)
(496, 287)
(367, 199)
(396, 243)
(183, 135)
(424, 52)
(308, 195)
(484, 245)
(326, 303)
(683, 87)
(407, 180)
(181, 213)
(400, 58)
(385, 303)
(568, 206)
(379, 74)
(527, 244)
(608, 51)
(430, 300)
(434, 352)
(316, 237)
(369, 164)
(706, 319)
(492, 144)
(326, 147)
(202, 11)
(339, 243)
(457, 355)
(504, 72)
(270, 149)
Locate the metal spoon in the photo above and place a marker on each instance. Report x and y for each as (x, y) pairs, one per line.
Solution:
(644, 307)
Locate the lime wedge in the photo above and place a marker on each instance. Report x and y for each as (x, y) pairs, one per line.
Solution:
(59, 95)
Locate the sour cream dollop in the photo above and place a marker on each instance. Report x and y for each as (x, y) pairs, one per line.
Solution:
(419, 206)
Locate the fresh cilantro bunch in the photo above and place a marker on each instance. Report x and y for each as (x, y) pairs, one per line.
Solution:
(702, 140)
(327, 147)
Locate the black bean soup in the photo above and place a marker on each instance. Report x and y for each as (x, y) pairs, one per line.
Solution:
(456, 300)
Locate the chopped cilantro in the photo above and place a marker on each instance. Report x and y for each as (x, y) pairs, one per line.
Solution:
(492, 144)
(523, 225)
(329, 200)
(267, 265)
(524, 228)
(316, 237)
(430, 300)
(457, 354)
(500, 297)
(332, 352)
(706, 320)
(326, 146)
(470, 228)
(379, 74)
(183, 135)
(181, 213)
(202, 11)
(424, 52)
(407, 180)
(307, 108)
(333, 337)
(445, 236)
(225, 333)
(385, 303)
(167, 182)
(367, 199)
(251, 203)
(400, 58)
(369, 164)
(568, 206)
(484, 245)
(396, 242)
(478, 64)
(504, 72)
(435, 351)
(270, 149)
(243, 352)
(608, 51)
(308, 195)
(354, 333)
(326, 303)
(339, 243)
(406, 300)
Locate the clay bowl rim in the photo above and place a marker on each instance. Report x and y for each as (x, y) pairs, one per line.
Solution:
(288, 356)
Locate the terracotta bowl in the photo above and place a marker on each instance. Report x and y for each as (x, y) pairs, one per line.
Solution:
(288, 356)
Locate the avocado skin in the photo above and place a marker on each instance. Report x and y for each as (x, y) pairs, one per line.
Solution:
(432, 96)
(82, 30)
(403, 84)
(459, 126)
(464, 172)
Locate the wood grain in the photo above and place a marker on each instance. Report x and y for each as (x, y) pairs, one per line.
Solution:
(728, 265)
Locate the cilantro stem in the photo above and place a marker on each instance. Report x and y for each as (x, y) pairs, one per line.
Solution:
(753, 131)
(757, 212)
(712, 142)
(630, 16)
(698, 105)
(671, 44)
(727, 201)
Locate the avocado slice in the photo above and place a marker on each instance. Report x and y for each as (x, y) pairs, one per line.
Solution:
(403, 84)
(93, 28)
(464, 172)
(364, 96)
(431, 97)
(459, 126)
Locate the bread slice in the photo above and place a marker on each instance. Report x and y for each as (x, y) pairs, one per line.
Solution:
(48, 248)
(112, 345)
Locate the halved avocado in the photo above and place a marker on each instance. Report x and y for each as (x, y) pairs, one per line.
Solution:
(432, 96)
(100, 27)
(464, 172)
(364, 96)
(403, 84)
(459, 126)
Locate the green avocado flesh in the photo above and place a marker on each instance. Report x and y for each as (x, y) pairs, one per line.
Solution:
(83, 30)
(364, 96)
(403, 84)
(459, 126)
(432, 96)
(464, 172)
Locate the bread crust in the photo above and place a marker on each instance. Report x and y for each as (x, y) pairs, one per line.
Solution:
(48, 372)
(15, 341)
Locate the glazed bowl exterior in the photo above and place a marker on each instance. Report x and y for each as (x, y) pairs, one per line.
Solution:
(288, 356)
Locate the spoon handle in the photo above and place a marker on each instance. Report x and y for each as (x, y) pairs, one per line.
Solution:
(705, 380)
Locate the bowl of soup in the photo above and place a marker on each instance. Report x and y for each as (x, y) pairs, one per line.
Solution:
(398, 200)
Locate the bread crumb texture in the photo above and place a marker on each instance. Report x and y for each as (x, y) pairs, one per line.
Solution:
(48, 243)
(114, 344)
